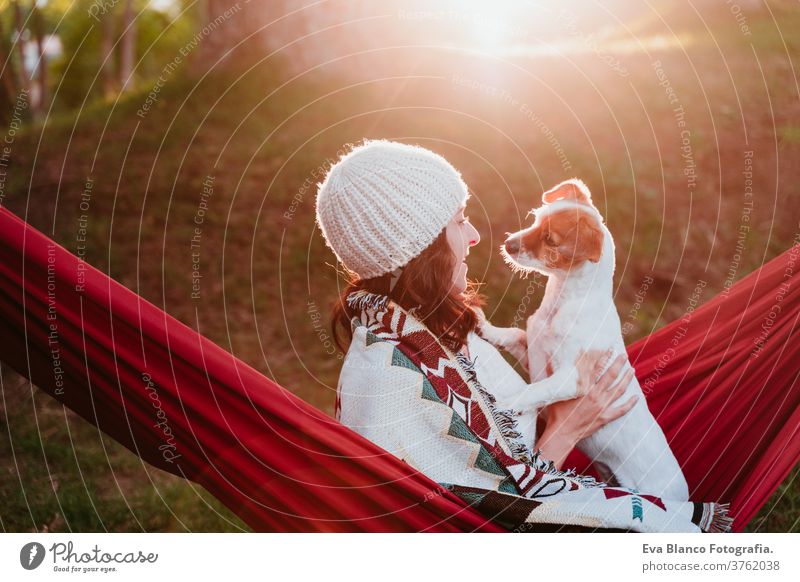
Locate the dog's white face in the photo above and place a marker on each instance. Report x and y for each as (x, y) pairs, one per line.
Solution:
(563, 236)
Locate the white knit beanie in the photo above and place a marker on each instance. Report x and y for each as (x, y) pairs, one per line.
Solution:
(384, 202)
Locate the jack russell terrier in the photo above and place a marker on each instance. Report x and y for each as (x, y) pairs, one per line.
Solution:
(569, 243)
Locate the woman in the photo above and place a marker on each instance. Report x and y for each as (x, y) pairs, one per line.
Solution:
(419, 381)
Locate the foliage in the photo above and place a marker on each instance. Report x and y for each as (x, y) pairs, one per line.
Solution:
(77, 74)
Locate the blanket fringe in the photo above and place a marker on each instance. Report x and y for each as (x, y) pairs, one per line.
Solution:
(548, 467)
(504, 418)
(360, 300)
(721, 522)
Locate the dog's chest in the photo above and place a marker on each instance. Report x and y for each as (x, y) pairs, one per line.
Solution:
(561, 330)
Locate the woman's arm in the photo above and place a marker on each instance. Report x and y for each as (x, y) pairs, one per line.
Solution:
(570, 421)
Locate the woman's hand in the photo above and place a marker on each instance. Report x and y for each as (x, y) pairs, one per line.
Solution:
(589, 365)
(570, 421)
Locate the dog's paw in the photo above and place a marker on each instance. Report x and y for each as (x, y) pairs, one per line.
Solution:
(516, 344)
(483, 323)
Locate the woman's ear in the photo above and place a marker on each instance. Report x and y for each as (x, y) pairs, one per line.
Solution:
(573, 189)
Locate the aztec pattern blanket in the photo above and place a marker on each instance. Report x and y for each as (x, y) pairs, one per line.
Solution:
(405, 391)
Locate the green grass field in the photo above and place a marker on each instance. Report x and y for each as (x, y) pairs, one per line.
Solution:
(513, 128)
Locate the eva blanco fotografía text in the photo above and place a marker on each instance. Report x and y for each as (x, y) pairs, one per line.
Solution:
(706, 549)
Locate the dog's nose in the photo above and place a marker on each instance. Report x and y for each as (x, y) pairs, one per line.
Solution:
(512, 245)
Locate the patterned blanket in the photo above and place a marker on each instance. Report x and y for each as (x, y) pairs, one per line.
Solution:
(401, 388)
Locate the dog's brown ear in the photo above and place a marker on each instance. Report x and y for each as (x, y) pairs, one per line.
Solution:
(573, 189)
(590, 240)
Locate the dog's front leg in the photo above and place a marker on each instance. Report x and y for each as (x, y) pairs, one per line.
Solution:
(537, 356)
(563, 385)
(515, 342)
(511, 339)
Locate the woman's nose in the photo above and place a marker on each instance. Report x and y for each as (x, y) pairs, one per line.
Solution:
(474, 237)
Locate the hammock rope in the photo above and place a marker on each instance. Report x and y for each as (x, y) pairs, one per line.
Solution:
(722, 382)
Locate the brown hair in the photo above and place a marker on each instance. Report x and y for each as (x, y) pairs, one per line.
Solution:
(426, 283)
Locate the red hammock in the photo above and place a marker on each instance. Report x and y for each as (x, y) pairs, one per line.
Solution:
(724, 388)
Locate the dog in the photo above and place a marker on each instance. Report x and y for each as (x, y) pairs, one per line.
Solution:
(569, 243)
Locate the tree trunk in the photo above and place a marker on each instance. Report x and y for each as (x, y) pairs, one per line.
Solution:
(106, 48)
(38, 29)
(24, 82)
(128, 46)
(9, 77)
(209, 50)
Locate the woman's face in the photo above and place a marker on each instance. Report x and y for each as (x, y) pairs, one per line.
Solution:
(461, 235)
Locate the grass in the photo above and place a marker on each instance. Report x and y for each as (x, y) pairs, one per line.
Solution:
(62, 474)
(261, 268)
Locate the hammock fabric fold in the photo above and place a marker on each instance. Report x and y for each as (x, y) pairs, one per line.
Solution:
(722, 382)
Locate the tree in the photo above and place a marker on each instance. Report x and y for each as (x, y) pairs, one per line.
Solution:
(23, 82)
(39, 33)
(127, 46)
(8, 74)
(120, 47)
(30, 29)
(107, 75)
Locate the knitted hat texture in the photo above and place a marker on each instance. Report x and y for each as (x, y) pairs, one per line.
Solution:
(384, 202)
